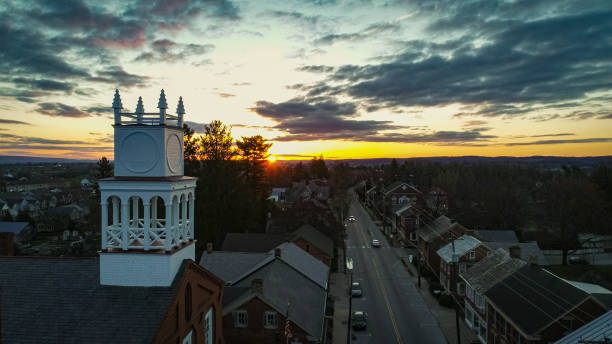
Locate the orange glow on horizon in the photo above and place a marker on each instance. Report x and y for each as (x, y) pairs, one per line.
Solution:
(272, 159)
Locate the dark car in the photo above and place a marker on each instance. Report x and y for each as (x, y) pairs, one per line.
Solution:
(356, 289)
(359, 320)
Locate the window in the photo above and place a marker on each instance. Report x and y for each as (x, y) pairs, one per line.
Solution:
(241, 318)
(468, 315)
(469, 292)
(270, 320)
(472, 254)
(462, 267)
(208, 327)
(461, 288)
(187, 339)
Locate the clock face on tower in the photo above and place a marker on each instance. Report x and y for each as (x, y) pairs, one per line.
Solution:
(174, 154)
(138, 153)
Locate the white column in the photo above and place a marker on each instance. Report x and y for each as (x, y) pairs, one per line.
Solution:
(104, 224)
(154, 211)
(125, 210)
(184, 228)
(115, 211)
(135, 212)
(147, 223)
(167, 244)
(175, 220)
(191, 219)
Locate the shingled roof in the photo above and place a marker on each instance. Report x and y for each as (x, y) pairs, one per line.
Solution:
(458, 247)
(60, 300)
(12, 227)
(532, 298)
(315, 237)
(389, 188)
(489, 235)
(252, 242)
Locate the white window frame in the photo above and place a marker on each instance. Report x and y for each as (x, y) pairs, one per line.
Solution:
(460, 288)
(241, 323)
(209, 329)
(472, 254)
(187, 339)
(270, 320)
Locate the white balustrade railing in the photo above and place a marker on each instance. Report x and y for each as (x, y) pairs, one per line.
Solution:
(154, 238)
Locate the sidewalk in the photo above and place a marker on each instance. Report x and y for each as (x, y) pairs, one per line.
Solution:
(445, 316)
(338, 291)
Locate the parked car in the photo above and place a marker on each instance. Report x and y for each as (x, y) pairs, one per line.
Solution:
(351, 218)
(577, 260)
(356, 289)
(375, 243)
(359, 320)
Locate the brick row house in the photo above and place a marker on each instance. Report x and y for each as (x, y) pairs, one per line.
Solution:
(456, 257)
(531, 306)
(265, 289)
(435, 234)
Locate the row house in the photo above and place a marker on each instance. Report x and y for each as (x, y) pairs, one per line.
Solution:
(596, 331)
(406, 220)
(13, 235)
(478, 280)
(533, 306)
(435, 234)
(264, 290)
(456, 257)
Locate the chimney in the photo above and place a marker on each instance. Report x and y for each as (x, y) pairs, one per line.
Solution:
(277, 252)
(515, 251)
(257, 285)
(209, 247)
(533, 259)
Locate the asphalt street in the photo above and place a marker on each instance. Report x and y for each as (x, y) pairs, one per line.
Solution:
(396, 311)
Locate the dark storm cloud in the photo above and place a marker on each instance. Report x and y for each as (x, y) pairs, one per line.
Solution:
(472, 138)
(179, 11)
(44, 84)
(301, 108)
(115, 75)
(550, 60)
(556, 142)
(60, 110)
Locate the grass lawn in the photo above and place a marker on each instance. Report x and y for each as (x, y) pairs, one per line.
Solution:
(597, 274)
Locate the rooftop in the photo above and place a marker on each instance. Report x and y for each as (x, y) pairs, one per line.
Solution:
(12, 227)
(491, 270)
(458, 247)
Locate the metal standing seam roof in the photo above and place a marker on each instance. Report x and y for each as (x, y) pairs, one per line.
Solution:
(12, 227)
(462, 245)
(230, 266)
(437, 227)
(532, 297)
(491, 270)
(596, 330)
(60, 300)
(528, 250)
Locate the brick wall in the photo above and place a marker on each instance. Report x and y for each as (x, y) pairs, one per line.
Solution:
(7, 247)
(313, 250)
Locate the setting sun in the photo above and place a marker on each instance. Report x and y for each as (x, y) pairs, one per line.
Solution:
(272, 158)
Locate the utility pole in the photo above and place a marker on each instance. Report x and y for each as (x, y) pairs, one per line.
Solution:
(419, 267)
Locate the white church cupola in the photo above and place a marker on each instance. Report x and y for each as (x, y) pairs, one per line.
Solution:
(148, 206)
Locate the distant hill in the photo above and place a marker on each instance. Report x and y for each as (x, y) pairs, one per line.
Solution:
(15, 159)
(541, 162)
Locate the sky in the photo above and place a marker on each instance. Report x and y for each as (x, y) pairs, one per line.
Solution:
(338, 78)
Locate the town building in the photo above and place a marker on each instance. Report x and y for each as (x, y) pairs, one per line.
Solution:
(145, 286)
(13, 235)
(435, 234)
(456, 257)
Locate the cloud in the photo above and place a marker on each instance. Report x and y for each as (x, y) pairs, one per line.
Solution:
(44, 84)
(10, 121)
(472, 138)
(509, 71)
(226, 95)
(115, 75)
(60, 110)
(165, 50)
(369, 32)
(244, 83)
(313, 23)
(197, 127)
(556, 142)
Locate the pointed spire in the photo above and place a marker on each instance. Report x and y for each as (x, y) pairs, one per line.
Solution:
(162, 101)
(117, 101)
(139, 106)
(180, 109)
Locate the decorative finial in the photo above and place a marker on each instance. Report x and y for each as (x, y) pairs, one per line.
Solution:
(180, 109)
(117, 101)
(162, 101)
(139, 106)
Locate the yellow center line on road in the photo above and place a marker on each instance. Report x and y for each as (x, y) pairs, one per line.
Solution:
(383, 290)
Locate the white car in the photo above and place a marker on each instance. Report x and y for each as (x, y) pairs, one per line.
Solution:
(351, 218)
(375, 243)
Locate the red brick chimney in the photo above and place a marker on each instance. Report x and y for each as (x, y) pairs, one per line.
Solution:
(209, 247)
